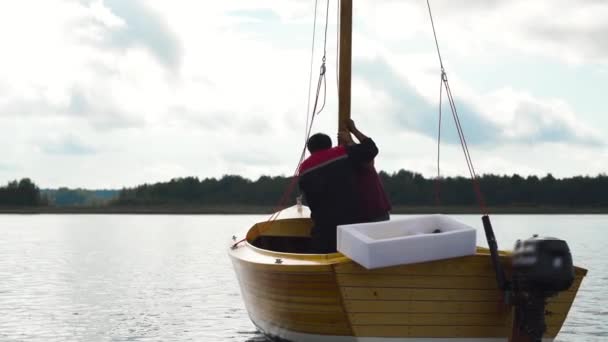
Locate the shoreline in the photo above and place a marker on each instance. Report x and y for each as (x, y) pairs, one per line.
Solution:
(262, 210)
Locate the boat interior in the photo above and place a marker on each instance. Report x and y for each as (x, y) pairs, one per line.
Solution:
(284, 236)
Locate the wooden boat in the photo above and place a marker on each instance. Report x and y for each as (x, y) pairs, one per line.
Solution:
(294, 296)
(312, 297)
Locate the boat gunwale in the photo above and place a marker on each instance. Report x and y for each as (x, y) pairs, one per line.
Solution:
(331, 258)
(338, 258)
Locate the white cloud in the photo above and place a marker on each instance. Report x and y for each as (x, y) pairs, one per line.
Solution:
(66, 145)
(146, 91)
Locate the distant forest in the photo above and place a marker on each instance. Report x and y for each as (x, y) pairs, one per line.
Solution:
(64, 197)
(23, 193)
(404, 188)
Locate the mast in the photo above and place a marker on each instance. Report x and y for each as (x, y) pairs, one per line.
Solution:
(345, 60)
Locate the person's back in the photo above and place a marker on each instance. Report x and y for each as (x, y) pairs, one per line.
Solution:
(327, 179)
(375, 205)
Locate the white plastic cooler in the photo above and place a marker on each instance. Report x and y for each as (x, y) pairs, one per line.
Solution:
(406, 241)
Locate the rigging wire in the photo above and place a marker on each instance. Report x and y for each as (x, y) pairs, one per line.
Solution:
(325, 37)
(487, 225)
(428, 5)
(322, 78)
(312, 59)
(338, 3)
(438, 178)
(461, 136)
(321, 84)
(314, 30)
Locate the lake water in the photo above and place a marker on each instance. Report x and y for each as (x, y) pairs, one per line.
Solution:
(168, 278)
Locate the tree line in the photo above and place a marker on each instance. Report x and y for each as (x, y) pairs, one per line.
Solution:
(403, 187)
(65, 197)
(23, 193)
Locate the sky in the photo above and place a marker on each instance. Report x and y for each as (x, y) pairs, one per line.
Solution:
(113, 93)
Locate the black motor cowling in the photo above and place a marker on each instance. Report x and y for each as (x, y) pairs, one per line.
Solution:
(542, 264)
(542, 267)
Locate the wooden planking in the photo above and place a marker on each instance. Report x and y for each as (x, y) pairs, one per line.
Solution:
(318, 284)
(252, 267)
(479, 264)
(294, 317)
(569, 295)
(417, 281)
(402, 306)
(373, 306)
(305, 297)
(424, 312)
(440, 319)
(435, 319)
(290, 286)
(274, 293)
(476, 265)
(301, 317)
(288, 283)
(424, 281)
(289, 227)
(317, 329)
(579, 271)
(291, 289)
(420, 294)
(434, 294)
(294, 314)
(293, 298)
(264, 303)
(293, 278)
(432, 331)
(265, 279)
(297, 299)
(560, 317)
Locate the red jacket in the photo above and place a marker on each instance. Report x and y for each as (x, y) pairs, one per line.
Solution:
(374, 201)
(334, 183)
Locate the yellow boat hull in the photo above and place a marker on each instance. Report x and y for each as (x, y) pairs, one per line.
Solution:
(302, 297)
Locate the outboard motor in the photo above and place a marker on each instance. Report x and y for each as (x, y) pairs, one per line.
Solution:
(542, 267)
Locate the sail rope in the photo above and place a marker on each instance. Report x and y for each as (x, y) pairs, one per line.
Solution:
(438, 177)
(463, 142)
(312, 62)
(338, 3)
(310, 115)
(321, 84)
(501, 281)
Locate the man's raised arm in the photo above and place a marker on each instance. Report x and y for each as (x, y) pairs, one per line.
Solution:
(363, 152)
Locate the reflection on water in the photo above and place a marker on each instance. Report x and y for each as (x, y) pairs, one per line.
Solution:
(168, 278)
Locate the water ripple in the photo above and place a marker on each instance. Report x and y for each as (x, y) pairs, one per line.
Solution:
(168, 278)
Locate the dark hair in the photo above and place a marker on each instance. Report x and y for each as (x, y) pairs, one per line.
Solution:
(318, 142)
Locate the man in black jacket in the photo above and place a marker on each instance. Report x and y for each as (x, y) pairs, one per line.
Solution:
(328, 180)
